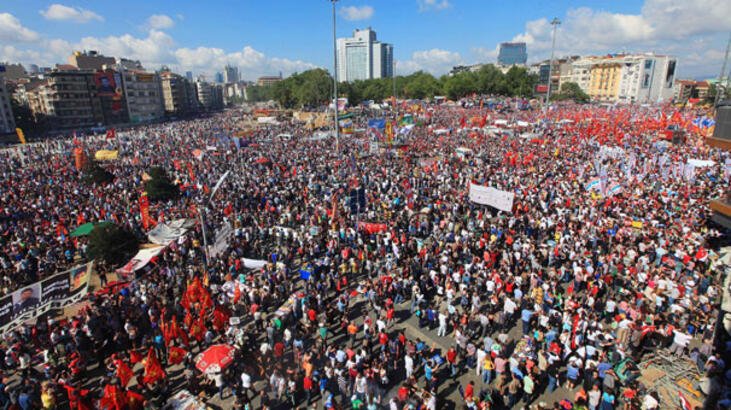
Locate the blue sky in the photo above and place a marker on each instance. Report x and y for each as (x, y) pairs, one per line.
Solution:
(265, 37)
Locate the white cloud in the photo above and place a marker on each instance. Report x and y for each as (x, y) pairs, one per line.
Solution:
(155, 49)
(485, 55)
(426, 5)
(251, 62)
(65, 13)
(159, 22)
(353, 13)
(435, 61)
(662, 26)
(11, 30)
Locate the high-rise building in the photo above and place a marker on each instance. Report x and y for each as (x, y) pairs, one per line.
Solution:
(175, 92)
(267, 80)
(7, 121)
(230, 74)
(645, 78)
(363, 57)
(67, 99)
(512, 54)
(90, 60)
(143, 93)
(189, 75)
(210, 96)
(218, 78)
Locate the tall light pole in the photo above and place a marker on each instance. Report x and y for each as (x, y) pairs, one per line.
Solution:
(335, 82)
(555, 22)
(722, 82)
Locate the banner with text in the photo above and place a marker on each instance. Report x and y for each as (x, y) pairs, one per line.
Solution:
(485, 195)
(34, 300)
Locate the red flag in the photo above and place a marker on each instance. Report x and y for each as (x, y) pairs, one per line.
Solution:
(198, 329)
(134, 357)
(145, 210)
(205, 301)
(188, 320)
(220, 318)
(176, 355)
(111, 133)
(135, 401)
(190, 172)
(153, 368)
(113, 399)
(124, 373)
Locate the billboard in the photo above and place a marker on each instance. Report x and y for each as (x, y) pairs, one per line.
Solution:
(105, 84)
(34, 300)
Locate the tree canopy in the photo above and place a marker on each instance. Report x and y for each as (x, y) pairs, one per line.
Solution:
(571, 91)
(314, 87)
(111, 244)
(160, 187)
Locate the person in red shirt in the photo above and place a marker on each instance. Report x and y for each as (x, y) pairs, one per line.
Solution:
(469, 391)
(279, 349)
(383, 340)
(403, 393)
(307, 385)
(312, 315)
(452, 359)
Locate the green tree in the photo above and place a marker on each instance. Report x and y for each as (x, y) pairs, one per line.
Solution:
(111, 245)
(460, 85)
(572, 91)
(421, 85)
(160, 187)
(94, 173)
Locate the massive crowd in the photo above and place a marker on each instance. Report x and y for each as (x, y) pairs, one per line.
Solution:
(567, 291)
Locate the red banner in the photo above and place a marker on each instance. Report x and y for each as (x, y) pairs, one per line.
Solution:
(145, 210)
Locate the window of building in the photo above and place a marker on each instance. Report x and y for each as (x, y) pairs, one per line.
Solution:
(648, 64)
(646, 81)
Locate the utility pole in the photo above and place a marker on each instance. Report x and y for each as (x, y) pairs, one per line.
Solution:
(335, 82)
(721, 83)
(555, 23)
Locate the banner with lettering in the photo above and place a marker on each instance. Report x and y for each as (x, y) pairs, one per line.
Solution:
(496, 198)
(36, 299)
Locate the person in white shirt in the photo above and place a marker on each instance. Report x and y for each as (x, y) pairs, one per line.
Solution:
(409, 366)
(680, 342)
(246, 383)
(442, 331)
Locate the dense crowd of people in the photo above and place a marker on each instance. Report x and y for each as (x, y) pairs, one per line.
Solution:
(605, 257)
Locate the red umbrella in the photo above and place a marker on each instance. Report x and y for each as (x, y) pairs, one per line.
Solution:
(215, 358)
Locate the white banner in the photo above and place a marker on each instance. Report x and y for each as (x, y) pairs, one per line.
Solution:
(139, 261)
(165, 233)
(502, 200)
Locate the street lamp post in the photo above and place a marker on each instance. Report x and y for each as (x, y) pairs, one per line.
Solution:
(555, 22)
(335, 81)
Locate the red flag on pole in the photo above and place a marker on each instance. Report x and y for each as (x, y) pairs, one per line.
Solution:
(113, 398)
(124, 373)
(153, 368)
(176, 355)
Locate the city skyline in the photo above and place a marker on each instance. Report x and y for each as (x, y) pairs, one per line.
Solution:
(429, 35)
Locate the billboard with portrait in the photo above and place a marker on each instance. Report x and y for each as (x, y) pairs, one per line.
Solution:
(55, 292)
(105, 84)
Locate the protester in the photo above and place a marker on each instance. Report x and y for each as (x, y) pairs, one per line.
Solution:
(603, 255)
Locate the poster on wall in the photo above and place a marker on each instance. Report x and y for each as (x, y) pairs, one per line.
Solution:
(56, 292)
